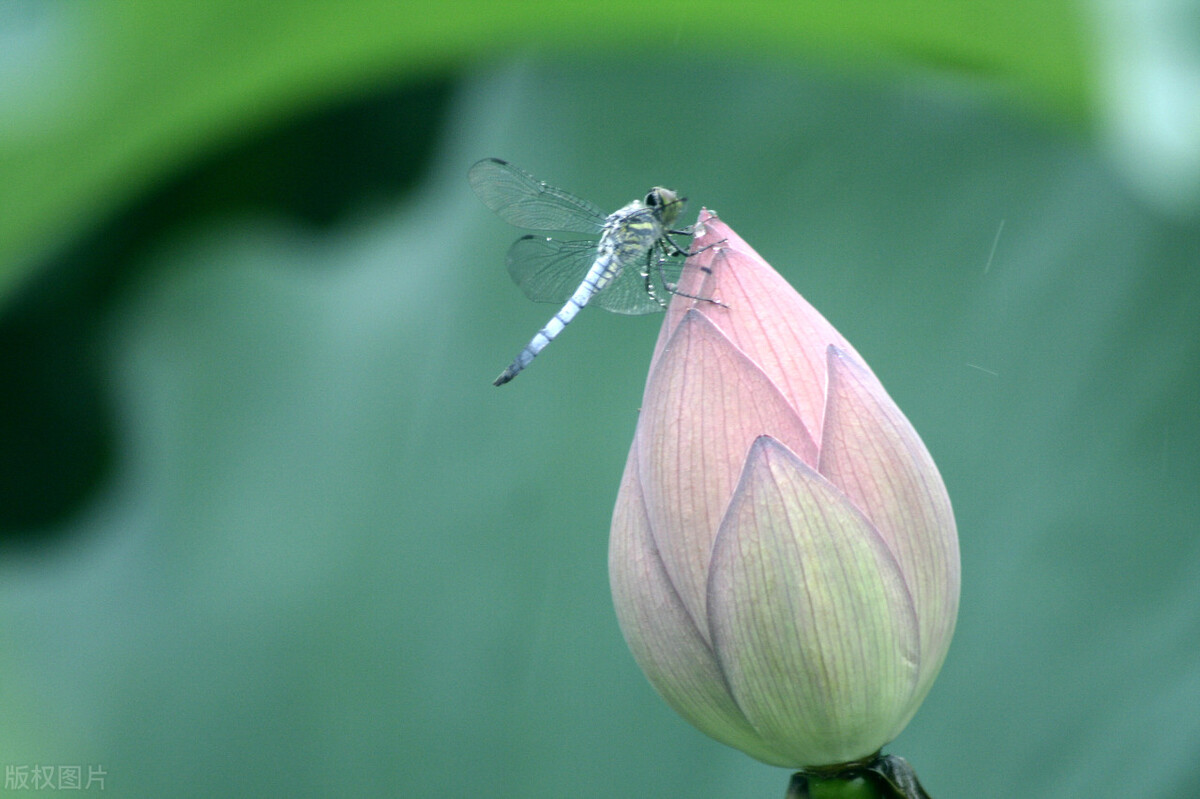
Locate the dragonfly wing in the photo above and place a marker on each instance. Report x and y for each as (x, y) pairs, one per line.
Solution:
(549, 270)
(522, 200)
(628, 293)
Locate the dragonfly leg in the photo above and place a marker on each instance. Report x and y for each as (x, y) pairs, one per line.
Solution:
(646, 275)
(677, 250)
(673, 288)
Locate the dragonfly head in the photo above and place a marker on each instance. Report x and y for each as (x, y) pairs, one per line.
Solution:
(668, 204)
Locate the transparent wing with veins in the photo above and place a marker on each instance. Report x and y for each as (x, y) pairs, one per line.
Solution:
(522, 200)
(549, 270)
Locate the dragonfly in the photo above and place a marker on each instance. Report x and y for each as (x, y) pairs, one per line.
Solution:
(622, 266)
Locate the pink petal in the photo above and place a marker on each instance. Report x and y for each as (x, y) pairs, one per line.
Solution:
(705, 403)
(871, 452)
(811, 621)
(766, 318)
(662, 634)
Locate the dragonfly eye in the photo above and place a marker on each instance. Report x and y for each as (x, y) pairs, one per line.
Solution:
(653, 200)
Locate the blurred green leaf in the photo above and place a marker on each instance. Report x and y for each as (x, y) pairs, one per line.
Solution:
(101, 100)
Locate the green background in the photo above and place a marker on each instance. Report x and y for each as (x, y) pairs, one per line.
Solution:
(267, 529)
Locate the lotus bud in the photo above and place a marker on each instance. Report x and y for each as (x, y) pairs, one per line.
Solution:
(783, 560)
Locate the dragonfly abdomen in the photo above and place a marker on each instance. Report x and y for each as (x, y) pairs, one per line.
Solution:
(599, 276)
